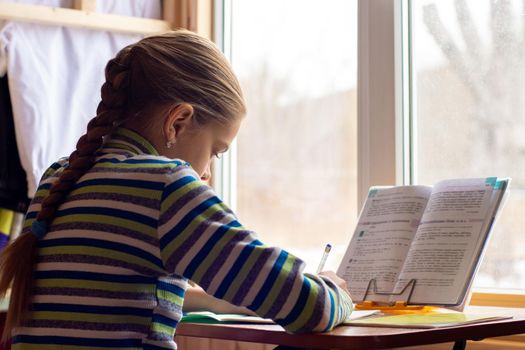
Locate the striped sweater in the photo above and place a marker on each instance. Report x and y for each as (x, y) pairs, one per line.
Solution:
(113, 268)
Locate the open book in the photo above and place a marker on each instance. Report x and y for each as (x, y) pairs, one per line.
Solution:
(434, 236)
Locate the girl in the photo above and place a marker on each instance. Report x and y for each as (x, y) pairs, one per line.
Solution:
(116, 230)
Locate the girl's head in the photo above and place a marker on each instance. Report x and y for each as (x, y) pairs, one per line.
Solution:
(177, 134)
(178, 91)
(181, 91)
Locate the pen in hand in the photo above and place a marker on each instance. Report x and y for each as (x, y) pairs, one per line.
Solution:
(323, 259)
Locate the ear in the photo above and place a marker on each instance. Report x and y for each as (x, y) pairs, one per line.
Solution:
(178, 120)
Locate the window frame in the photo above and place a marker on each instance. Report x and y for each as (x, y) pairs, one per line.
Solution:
(224, 170)
(385, 129)
(379, 154)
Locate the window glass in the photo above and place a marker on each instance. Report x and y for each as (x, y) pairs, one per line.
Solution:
(469, 75)
(296, 150)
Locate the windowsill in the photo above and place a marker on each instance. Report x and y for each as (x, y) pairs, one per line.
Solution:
(498, 298)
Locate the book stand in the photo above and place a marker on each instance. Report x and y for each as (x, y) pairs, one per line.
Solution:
(400, 306)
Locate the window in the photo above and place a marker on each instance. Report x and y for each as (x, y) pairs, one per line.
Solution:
(296, 178)
(455, 115)
(469, 73)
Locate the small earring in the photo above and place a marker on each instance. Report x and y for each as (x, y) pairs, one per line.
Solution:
(169, 144)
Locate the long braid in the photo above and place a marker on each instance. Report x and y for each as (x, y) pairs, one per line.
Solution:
(17, 273)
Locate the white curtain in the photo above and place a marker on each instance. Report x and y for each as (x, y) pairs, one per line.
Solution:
(55, 74)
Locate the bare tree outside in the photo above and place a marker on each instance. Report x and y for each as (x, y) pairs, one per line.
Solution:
(297, 157)
(471, 111)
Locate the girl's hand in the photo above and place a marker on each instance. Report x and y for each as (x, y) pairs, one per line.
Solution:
(341, 283)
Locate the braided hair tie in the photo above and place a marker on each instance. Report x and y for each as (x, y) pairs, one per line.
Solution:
(39, 228)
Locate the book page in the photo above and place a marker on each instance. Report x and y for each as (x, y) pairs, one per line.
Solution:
(499, 195)
(447, 241)
(381, 240)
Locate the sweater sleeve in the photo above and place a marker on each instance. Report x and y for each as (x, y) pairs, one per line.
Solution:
(202, 240)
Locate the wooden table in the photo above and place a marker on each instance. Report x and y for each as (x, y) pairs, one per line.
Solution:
(353, 337)
(349, 338)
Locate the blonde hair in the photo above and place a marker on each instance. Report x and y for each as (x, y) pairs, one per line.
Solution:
(166, 69)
